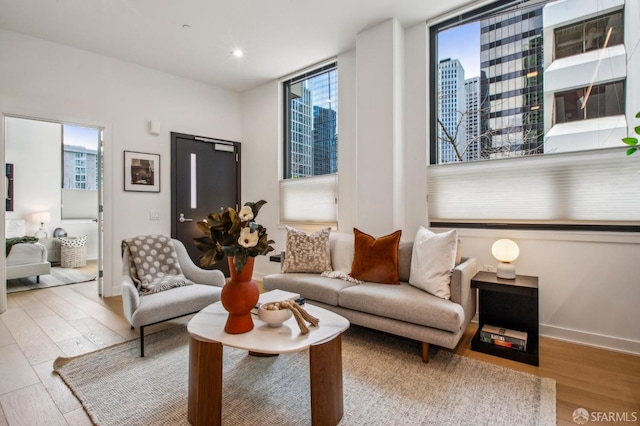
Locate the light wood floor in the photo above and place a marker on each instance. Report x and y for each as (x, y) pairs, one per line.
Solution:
(40, 325)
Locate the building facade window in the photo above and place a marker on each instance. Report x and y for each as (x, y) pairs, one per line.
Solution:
(602, 100)
(589, 35)
(309, 188)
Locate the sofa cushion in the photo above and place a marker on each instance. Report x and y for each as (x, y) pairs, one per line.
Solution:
(404, 303)
(376, 259)
(309, 286)
(175, 302)
(433, 259)
(307, 253)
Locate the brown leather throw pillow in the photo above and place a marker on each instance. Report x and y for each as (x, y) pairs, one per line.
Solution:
(376, 259)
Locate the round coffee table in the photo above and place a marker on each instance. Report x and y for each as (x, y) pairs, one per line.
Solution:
(207, 336)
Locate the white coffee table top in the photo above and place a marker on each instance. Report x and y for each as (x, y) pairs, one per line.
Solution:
(208, 325)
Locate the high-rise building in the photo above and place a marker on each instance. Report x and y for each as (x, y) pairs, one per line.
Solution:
(325, 147)
(472, 118)
(451, 110)
(301, 133)
(80, 167)
(313, 125)
(511, 58)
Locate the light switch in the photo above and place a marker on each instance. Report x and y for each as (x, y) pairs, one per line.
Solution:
(154, 215)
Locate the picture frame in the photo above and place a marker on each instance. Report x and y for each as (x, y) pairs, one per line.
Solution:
(141, 172)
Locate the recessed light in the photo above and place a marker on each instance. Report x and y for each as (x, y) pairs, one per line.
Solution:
(238, 53)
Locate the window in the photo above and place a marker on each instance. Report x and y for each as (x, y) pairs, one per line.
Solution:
(504, 151)
(80, 171)
(588, 35)
(311, 123)
(501, 61)
(600, 100)
(308, 192)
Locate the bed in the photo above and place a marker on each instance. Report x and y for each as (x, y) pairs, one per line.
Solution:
(25, 259)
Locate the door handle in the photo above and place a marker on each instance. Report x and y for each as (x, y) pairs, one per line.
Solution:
(183, 219)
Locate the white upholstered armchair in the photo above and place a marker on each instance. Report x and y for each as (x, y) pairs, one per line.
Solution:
(143, 311)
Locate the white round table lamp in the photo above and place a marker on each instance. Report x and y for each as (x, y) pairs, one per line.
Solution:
(506, 251)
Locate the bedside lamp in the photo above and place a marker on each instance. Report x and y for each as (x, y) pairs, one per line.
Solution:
(506, 251)
(42, 217)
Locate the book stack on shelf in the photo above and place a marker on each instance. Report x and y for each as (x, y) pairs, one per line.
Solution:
(504, 337)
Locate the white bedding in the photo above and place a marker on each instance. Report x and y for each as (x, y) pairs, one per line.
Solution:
(22, 254)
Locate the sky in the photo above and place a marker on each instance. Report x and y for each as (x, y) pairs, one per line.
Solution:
(462, 43)
(81, 136)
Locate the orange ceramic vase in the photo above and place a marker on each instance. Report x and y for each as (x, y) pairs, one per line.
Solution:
(240, 295)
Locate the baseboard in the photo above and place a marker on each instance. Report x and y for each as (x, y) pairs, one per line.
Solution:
(591, 339)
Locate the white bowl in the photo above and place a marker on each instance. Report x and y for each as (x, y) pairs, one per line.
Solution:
(273, 318)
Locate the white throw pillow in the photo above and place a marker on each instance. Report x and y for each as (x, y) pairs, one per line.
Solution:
(341, 245)
(433, 259)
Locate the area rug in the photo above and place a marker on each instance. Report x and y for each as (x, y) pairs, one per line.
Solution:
(385, 382)
(58, 276)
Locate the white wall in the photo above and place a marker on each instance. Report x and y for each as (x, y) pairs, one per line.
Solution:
(588, 281)
(377, 118)
(35, 152)
(46, 80)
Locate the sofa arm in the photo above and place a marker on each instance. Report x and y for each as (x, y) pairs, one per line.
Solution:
(212, 277)
(461, 283)
(130, 297)
(195, 273)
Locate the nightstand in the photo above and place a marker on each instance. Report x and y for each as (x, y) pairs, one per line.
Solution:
(53, 249)
(511, 304)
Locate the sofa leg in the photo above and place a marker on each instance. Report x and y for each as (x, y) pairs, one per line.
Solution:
(38, 279)
(425, 352)
(141, 341)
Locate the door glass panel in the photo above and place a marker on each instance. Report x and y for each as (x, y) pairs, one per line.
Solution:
(194, 192)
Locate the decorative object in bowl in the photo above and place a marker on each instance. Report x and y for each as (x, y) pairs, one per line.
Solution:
(273, 314)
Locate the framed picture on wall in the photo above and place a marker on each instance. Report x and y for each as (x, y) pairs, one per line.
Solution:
(141, 172)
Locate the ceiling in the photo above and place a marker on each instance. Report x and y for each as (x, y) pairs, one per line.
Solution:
(277, 36)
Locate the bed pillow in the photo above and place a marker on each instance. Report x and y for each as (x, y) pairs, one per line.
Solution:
(14, 228)
(307, 253)
(432, 260)
(375, 259)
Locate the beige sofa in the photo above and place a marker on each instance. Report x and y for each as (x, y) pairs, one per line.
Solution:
(402, 310)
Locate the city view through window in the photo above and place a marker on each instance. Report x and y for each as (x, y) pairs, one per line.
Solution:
(489, 87)
(80, 157)
(312, 125)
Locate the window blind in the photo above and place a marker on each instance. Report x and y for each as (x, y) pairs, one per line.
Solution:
(309, 200)
(587, 187)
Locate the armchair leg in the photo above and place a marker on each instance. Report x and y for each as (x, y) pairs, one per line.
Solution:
(141, 341)
(425, 352)
(38, 279)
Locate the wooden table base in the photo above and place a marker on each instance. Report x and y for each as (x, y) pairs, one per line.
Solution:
(205, 382)
(325, 365)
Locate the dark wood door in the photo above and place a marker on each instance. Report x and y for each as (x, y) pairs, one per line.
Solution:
(205, 177)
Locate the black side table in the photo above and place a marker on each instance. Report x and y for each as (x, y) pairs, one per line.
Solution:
(509, 304)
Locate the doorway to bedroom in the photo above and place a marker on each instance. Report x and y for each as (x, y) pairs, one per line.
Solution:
(54, 219)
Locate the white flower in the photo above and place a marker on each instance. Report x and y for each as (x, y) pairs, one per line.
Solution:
(247, 238)
(245, 213)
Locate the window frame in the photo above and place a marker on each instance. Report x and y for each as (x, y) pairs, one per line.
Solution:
(319, 191)
(333, 65)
